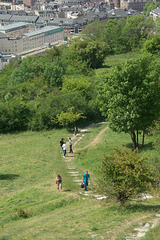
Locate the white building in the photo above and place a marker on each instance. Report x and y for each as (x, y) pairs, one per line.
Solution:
(31, 40)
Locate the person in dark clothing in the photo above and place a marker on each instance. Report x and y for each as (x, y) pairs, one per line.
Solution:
(75, 130)
(70, 145)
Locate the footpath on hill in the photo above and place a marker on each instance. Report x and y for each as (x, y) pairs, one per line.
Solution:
(69, 160)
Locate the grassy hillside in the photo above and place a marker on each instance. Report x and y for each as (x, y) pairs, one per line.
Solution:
(30, 162)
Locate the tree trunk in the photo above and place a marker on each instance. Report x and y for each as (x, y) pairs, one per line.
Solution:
(137, 139)
(143, 140)
(133, 137)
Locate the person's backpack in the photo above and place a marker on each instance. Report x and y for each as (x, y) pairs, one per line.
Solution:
(82, 185)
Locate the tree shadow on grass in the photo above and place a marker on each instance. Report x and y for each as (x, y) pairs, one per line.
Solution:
(148, 146)
(143, 208)
(8, 176)
(139, 207)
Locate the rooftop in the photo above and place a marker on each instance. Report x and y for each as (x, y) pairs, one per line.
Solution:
(42, 30)
(12, 26)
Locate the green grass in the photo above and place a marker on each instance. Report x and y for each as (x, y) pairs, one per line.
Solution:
(112, 60)
(30, 162)
(153, 234)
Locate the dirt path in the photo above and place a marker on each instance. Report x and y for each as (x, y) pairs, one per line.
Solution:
(95, 140)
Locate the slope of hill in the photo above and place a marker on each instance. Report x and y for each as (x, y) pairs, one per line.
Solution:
(32, 208)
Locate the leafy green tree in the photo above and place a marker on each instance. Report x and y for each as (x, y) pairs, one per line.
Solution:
(91, 54)
(52, 53)
(53, 73)
(130, 96)
(69, 117)
(136, 29)
(113, 35)
(14, 116)
(34, 68)
(124, 174)
(80, 85)
(28, 70)
(94, 31)
(46, 107)
(152, 45)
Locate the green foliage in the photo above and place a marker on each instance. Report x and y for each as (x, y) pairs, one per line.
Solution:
(86, 54)
(155, 131)
(67, 118)
(124, 174)
(53, 73)
(135, 30)
(45, 109)
(152, 45)
(74, 84)
(28, 69)
(157, 25)
(114, 36)
(35, 68)
(129, 98)
(94, 31)
(41, 82)
(51, 54)
(14, 116)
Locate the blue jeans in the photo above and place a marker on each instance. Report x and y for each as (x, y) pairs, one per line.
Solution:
(71, 151)
(61, 149)
(85, 185)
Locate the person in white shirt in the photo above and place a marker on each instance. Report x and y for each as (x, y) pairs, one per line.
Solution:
(64, 149)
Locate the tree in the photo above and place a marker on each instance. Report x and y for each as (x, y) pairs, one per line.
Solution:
(123, 174)
(94, 31)
(67, 118)
(113, 35)
(53, 72)
(34, 68)
(52, 53)
(87, 54)
(136, 29)
(152, 45)
(129, 98)
(80, 85)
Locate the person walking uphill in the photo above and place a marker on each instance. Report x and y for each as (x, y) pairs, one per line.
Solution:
(75, 130)
(86, 176)
(61, 144)
(70, 145)
(64, 149)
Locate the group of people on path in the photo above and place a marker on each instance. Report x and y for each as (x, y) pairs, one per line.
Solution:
(85, 179)
(86, 176)
(64, 147)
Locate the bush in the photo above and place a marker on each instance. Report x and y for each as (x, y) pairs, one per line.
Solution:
(21, 213)
(14, 116)
(124, 174)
